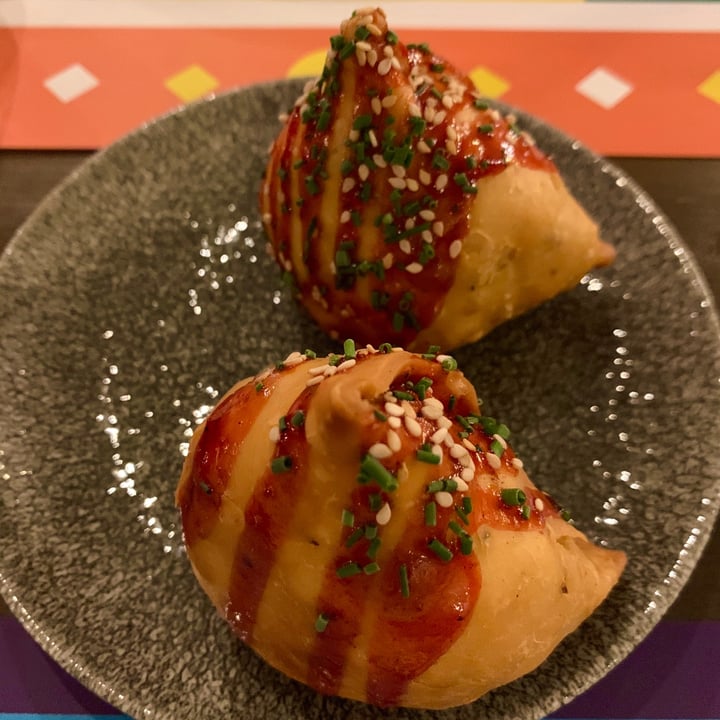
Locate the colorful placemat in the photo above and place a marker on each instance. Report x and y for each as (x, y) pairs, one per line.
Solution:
(624, 78)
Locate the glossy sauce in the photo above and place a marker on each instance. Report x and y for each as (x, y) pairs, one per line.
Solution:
(390, 302)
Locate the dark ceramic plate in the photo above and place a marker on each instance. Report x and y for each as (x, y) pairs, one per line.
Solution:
(140, 290)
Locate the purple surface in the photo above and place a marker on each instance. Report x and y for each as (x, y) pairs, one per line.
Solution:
(674, 673)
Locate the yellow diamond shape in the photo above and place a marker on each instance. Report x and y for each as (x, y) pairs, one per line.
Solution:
(710, 87)
(488, 83)
(191, 83)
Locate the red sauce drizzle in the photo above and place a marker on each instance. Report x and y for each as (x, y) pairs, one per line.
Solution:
(200, 497)
(267, 516)
(398, 303)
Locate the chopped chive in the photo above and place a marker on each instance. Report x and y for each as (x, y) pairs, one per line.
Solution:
(486, 129)
(382, 417)
(431, 514)
(281, 464)
(349, 348)
(440, 162)
(435, 486)
(258, 386)
(282, 424)
(362, 121)
(442, 551)
(404, 583)
(450, 485)
(513, 496)
(310, 354)
(565, 515)
(346, 50)
(385, 348)
(452, 525)
(462, 515)
(355, 537)
(402, 395)
(391, 38)
(467, 504)
(321, 622)
(311, 184)
(371, 568)
(205, 487)
(496, 448)
(348, 570)
(333, 359)
(421, 387)
(298, 419)
(375, 470)
(347, 518)
(503, 431)
(398, 321)
(437, 67)
(346, 167)
(361, 32)
(427, 456)
(451, 402)
(466, 544)
(481, 104)
(370, 532)
(375, 501)
(427, 253)
(449, 364)
(373, 548)
(525, 512)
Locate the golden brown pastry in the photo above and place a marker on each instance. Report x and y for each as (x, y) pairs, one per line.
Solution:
(406, 209)
(368, 531)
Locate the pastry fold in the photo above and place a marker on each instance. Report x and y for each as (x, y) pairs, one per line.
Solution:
(362, 525)
(407, 209)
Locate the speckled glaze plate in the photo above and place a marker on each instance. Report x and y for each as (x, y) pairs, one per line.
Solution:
(140, 290)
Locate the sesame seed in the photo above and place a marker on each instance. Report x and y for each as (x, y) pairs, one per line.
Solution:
(451, 147)
(412, 185)
(410, 223)
(425, 178)
(394, 422)
(465, 460)
(398, 171)
(363, 45)
(372, 137)
(467, 474)
(388, 51)
(493, 460)
(414, 268)
(389, 100)
(373, 29)
(439, 435)
(315, 380)
(439, 228)
(444, 499)
(380, 451)
(330, 370)
(318, 370)
(455, 248)
(427, 236)
(361, 55)
(501, 440)
(372, 57)
(376, 105)
(363, 172)
(414, 110)
(427, 214)
(468, 444)
(395, 63)
(423, 147)
(347, 364)
(438, 117)
(397, 183)
(405, 246)
(393, 439)
(539, 505)
(449, 441)
(387, 260)
(354, 135)
(444, 422)
(517, 463)
(448, 101)
(384, 66)
(429, 113)
(451, 133)
(344, 216)
(392, 408)
(441, 181)
(266, 218)
(294, 358)
(383, 515)
(462, 486)
(348, 184)
(408, 409)
(413, 426)
(274, 434)
(457, 451)
(379, 160)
